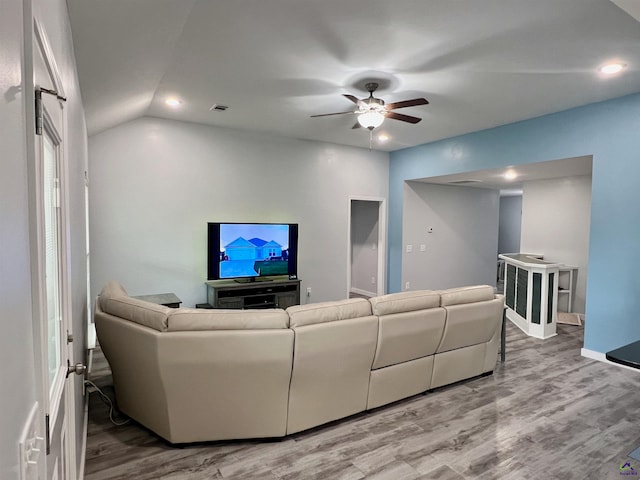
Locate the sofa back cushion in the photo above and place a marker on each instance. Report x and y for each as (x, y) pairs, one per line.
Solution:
(474, 315)
(323, 312)
(458, 296)
(189, 319)
(331, 368)
(404, 302)
(408, 336)
(112, 289)
(138, 311)
(410, 326)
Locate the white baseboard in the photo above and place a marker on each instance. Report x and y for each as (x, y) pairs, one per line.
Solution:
(85, 431)
(585, 352)
(359, 291)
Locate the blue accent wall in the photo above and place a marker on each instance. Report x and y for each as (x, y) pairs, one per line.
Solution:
(610, 132)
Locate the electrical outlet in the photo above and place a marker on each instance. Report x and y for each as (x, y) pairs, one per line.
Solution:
(423, 248)
(407, 285)
(308, 291)
(373, 280)
(409, 248)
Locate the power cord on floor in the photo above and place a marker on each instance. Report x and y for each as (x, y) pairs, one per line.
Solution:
(107, 401)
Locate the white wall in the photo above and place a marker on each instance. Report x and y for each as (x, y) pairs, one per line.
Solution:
(16, 342)
(156, 183)
(462, 249)
(20, 387)
(556, 217)
(364, 246)
(510, 224)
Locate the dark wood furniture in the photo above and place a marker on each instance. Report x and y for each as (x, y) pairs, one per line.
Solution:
(259, 294)
(628, 355)
(166, 299)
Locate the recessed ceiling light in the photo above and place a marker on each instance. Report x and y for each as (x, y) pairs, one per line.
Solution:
(611, 68)
(510, 175)
(383, 137)
(173, 102)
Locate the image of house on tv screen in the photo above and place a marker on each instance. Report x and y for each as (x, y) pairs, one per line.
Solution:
(249, 250)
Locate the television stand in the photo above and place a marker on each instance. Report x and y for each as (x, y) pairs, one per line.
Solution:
(276, 293)
(253, 279)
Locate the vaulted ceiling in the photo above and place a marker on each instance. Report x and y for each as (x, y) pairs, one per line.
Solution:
(274, 63)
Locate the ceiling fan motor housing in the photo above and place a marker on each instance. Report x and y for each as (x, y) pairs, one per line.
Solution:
(372, 111)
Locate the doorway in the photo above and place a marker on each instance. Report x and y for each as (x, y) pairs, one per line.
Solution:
(367, 247)
(509, 229)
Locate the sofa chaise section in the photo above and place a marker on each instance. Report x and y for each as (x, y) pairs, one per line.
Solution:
(197, 375)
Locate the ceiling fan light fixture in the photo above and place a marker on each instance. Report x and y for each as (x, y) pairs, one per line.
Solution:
(370, 119)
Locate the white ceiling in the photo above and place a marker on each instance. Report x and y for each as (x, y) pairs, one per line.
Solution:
(276, 62)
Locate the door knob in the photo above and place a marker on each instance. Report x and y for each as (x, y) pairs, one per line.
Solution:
(78, 369)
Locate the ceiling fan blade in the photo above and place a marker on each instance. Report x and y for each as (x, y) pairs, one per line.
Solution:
(356, 125)
(407, 103)
(329, 114)
(402, 118)
(355, 100)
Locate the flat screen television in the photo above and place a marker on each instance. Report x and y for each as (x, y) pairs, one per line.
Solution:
(251, 251)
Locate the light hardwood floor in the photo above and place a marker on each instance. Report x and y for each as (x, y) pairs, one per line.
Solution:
(547, 413)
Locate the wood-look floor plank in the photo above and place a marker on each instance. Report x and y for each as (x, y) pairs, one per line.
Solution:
(546, 413)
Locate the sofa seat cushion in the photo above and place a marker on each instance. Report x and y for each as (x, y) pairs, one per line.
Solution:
(188, 319)
(138, 311)
(399, 381)
(404, 302)
(457, 296)
(323, 312)
(455, 365)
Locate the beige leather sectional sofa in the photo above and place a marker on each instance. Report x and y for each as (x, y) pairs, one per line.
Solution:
(196, 375)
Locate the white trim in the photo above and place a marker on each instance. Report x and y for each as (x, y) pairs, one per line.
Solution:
(48, 57)
(57, 388)
(601, 357)
(85, 432)
(382, 242)
(359, 291)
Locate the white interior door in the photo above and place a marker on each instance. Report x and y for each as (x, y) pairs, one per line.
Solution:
(52, 289)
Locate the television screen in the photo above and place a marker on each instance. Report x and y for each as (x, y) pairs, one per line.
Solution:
(251, 250)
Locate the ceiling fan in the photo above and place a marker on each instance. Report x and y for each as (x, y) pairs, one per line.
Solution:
(372, 111)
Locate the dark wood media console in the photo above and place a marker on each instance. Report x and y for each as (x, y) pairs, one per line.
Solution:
(260, 294)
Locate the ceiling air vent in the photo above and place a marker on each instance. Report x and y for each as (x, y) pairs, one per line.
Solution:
(220, 108)
(464, 182)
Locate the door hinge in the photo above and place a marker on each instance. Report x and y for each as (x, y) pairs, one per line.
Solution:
(47, 434)
(39, 91)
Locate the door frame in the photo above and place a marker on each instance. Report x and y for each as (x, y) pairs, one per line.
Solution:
(381, 284)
